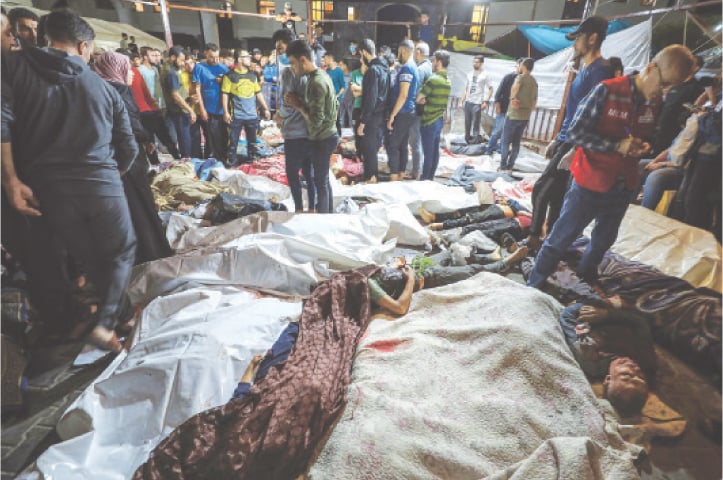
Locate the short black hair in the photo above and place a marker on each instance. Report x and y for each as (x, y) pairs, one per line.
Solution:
(298, 49)
(443, 56)
(20, 12)
(144, 51)
(225, 53)
(210, 46)
(175, 51)
(133, 56)
(529, 63)
(124, 34)
(283, 34)
(481, 58)
(367, 45)
(66, 26)
(616, 63)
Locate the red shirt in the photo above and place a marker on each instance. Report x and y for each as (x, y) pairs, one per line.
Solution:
(141, 94)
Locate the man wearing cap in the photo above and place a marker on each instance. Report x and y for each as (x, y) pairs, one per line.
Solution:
(289, 18)
(401, 118)
(610, 131)
(550, 188)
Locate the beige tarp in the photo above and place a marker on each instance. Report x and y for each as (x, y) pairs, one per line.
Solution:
(107, 34)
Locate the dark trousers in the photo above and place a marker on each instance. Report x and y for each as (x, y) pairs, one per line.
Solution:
(321, 151)
(370, 144)
(511, 139)
(216, 132)
(493, 212)
(250, 126)
(196, 150)
(431, 135)
(98, 234)
(472, 117)
(355, 116)
(398, 142)
(549, 191)
(153, 122)
(179, 124)
(298, 157)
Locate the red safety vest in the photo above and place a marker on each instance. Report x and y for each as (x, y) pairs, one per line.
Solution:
(599, 171)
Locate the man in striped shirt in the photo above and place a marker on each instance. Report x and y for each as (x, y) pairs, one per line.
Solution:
(434, 95)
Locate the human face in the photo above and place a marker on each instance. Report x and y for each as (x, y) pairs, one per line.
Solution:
(655, 86)
(625, 376)
(228, 61)
(476, 64)
(404, 54)
(296, 66)
(280, 47)
(27, 31)
(212, 57)
(85, 51)
(189, 64)
(424, 19)
(137, 61)
(180, 60)
(245, 59)
(7, 39)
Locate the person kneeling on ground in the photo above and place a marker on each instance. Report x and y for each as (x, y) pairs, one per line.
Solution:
(615, 345)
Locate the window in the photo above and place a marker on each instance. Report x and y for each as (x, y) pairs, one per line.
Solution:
(266, 7)
(479, 18)
(351, 13)
(322, 10)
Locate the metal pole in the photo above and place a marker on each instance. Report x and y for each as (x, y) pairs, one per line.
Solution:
(685, 30)
(166, 23)
(310, 21)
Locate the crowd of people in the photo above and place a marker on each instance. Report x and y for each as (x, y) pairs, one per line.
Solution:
(80, 211)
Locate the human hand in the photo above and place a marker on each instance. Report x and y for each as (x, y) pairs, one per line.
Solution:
(22, 199)
(193, 117)
(592, 314)
(408, 272)
(630, 145)
(652, 166)
(292, 99)
(422, 100)
(193, 99)
(498, 109)
(204, 115)
(227, 118)
(267, 115)
(390, 124)
(150, 147)
(279, 121)
(360, 130)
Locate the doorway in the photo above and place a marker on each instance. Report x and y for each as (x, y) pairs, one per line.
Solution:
(393, 34)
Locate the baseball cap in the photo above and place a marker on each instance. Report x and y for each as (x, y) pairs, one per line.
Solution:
(590, 25)
(255, 51)
(407, 43)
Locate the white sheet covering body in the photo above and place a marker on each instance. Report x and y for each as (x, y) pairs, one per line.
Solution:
(474, 382)
(191, 349)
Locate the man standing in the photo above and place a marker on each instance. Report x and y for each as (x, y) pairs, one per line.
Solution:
(72, 177)
(124, 41)
(434, 95)
(297, 146)
(132, 45)
(523, 99)
(401, 117)
(207, 78)
(242, 88)
(375, 89)
(610, 130)
(502, 103)
(335, 73)
(24, 24)
(7, 38)
(549, 189)
(424, 68)
(180, 114)
(320, 109)
(150, 74)
(472, 100)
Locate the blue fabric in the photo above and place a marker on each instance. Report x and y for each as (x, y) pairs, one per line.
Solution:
(271, 72)
(581, 206)
(658, 181)
(407, 73)
(511, 138)
(583, 84)
(497, 129)
(337, 78)
(206, 75)
(279, 353)
(466, 176)
(179, 127)
(549, 40)
(250, 127)
(430, 144)
(203, 168)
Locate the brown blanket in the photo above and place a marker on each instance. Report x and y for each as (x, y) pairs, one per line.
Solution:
(272, 433)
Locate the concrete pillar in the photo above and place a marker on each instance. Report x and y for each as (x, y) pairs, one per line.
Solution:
(124, 13)
(210, 27)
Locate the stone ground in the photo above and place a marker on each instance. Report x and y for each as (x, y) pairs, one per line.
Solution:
(53, 384)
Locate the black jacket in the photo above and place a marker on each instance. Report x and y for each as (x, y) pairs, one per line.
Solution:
(375, 90)
(69, 128)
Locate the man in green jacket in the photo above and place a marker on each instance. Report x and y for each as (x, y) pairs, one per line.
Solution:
(319, 108)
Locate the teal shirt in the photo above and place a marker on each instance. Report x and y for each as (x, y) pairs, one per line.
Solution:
(320, 99)
(357, 77)
(436, 90)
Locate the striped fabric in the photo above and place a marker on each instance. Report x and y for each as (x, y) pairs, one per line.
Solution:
(436, 90)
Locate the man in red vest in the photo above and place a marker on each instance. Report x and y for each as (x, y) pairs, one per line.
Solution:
(611, 130)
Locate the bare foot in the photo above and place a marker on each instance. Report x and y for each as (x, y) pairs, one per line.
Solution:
(426, 215)
(373, 179)
(436, 226)
(519, 255)
(104, 339)
(250, 373)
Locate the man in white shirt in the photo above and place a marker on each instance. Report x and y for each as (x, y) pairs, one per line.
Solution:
(472, 100)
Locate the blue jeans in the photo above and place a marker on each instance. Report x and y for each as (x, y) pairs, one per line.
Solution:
(179, 128)
(657, 182)
(298, 156)
(511, 137)
(250, 126)
(581, 206)
(430, 143)
(496, 133)
(321, 151)
(472, 118)
(415, 143)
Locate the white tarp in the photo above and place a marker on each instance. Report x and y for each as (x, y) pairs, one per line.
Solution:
(632, 45)
(190, 352)
(502, 396)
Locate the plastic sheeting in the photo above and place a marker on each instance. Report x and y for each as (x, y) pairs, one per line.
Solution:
(549, 39)
(190, 351)
(631, 45)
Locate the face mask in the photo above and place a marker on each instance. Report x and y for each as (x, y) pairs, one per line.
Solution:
(352, 49)
(283, 59)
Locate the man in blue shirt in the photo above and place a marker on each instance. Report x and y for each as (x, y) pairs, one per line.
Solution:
(207, 77)
(402, 115)
(550, 188)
